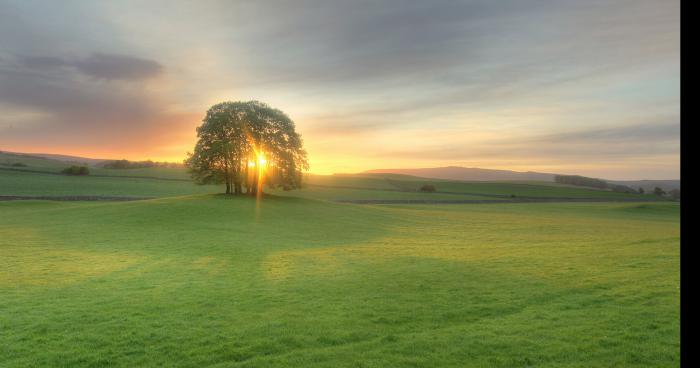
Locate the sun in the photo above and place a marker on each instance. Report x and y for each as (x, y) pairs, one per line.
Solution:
(260, 161)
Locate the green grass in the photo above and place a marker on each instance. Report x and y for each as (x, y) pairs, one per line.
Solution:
(352, 181)
(445, 188)
(332, 187)
(336, 194)
(150, 172)
(27, 183)
(230, 282)
(520, 189)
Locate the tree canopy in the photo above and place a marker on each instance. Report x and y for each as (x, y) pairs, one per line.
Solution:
(246, 144)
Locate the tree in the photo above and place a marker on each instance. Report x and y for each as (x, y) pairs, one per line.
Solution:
(659, 192)
(427, 188)
(641, 190)
(247, 144)
(76, 170)
(581, 181)
(675, 194)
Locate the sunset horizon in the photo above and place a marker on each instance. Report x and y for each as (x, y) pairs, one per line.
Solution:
(578, 170)
(497, 86)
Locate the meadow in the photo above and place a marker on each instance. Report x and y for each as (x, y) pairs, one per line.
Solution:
(195, 279)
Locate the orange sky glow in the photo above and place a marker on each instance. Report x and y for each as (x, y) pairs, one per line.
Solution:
(559, 87)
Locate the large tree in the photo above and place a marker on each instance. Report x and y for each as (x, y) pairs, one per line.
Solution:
(246, 145)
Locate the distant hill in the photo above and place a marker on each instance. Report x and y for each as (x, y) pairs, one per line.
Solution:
(56, 157)
(67, 158)
(55, 161)
(477, 174)
(467, 174)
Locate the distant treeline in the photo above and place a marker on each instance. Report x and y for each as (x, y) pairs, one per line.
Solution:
(13, 164)
(592, 183)
(126, 164)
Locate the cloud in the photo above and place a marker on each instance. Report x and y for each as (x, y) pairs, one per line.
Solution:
(64, 94)
(396, 43)
(99, 65)
(43, 62)
(85, 103)
(409, 80)
(645, 133)
(631, 143)
(109, 66)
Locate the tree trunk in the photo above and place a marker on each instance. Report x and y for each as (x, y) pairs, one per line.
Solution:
(236, 179)
(247, 179)
(254, 186)
(227, 178)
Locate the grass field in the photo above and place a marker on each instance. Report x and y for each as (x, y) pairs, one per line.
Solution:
(29, 183)
(207, 280)
(190, 280)
(147, 183)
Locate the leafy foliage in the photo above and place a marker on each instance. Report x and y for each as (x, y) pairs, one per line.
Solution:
(675, 194)
(659, 192)
(126, 164)
(427, 188)
(76, 170)
(234, 138)
(581, 181)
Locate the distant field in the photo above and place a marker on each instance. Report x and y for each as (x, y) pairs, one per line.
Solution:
(201, 279)
(26, 183)
(523, 189)
(341, 193)
(35, 179)
(228, 282)
(156, 182)
(8, 160)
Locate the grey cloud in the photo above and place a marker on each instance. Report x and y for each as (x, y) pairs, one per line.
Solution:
(453, 42)
(66, 92)
(99, 65)
(109, 66)
(74, 108)
(646, 133)
(660, 139)
(552, 153)
(63, 95)
(43, 62)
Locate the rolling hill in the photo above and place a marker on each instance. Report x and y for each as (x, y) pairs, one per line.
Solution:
(468, 174)
(478, 174)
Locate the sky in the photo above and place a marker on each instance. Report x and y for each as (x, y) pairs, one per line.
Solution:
(574, 87)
